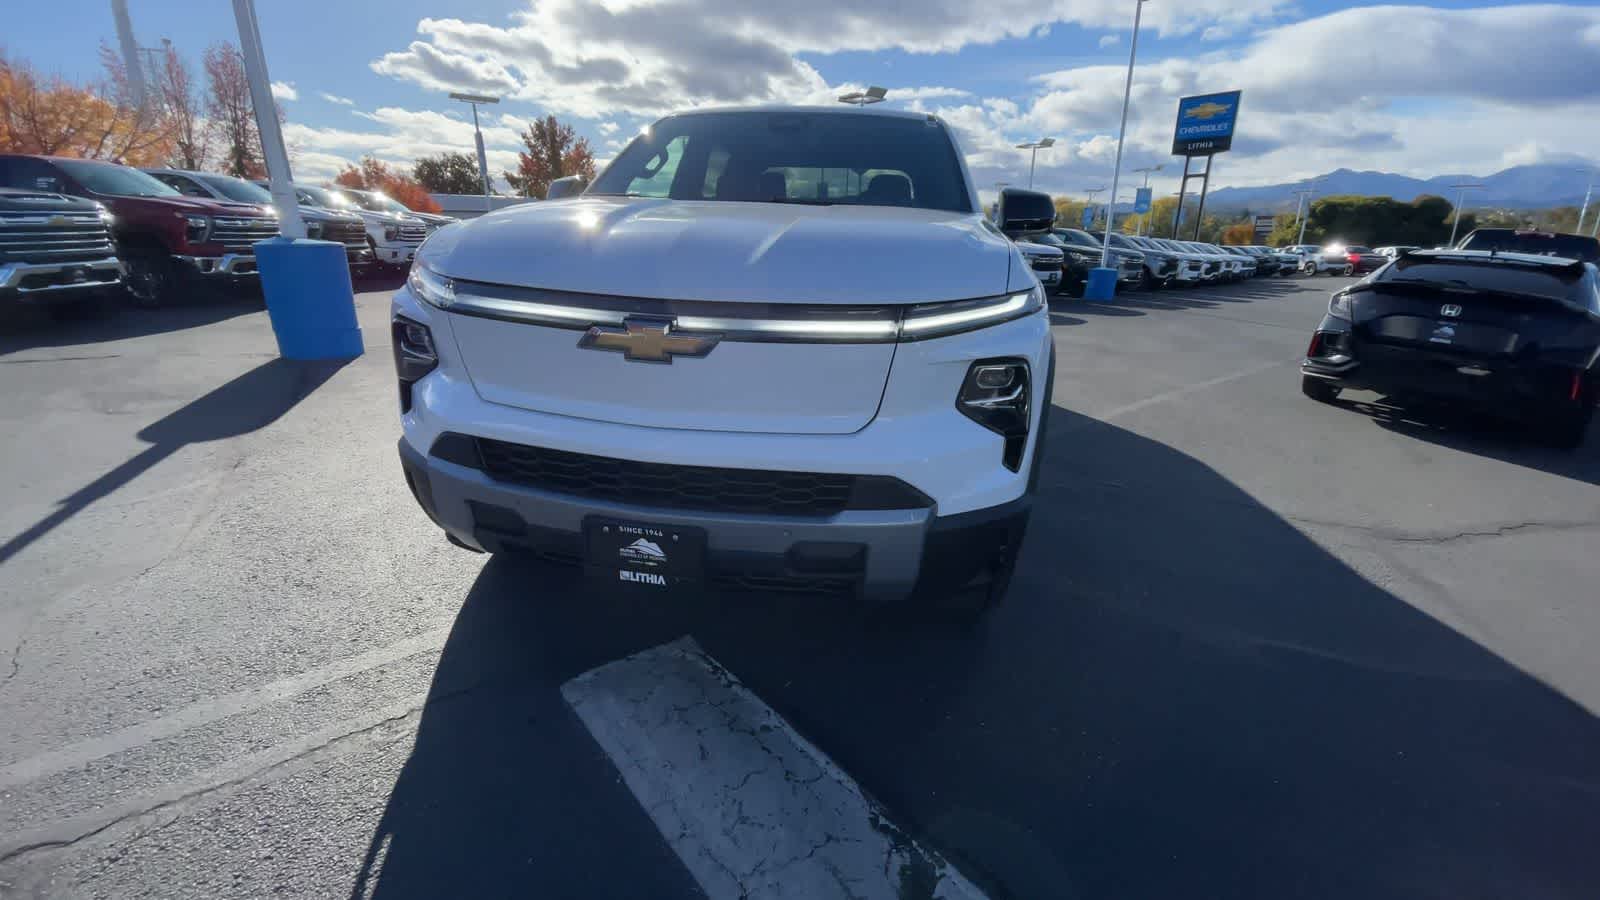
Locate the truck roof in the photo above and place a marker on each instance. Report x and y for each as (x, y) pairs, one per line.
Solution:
(836, 110)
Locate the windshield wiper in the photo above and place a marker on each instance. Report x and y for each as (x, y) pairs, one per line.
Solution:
(612, 194)
(799, 200)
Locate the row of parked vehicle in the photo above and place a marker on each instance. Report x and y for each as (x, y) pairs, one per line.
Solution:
(74, 229)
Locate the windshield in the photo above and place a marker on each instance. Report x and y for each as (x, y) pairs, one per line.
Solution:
(362, 199)
(1125, 243)
(1570, 283)
(792, 157)
(236, 188)
(117, 181)
(1079, 236)
(1570, 246)
(315, 196)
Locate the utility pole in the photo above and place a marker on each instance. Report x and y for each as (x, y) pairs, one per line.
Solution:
(272, 149)
(1461, 201)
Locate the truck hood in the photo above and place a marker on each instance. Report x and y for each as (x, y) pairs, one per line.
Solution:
(373, 217)
(22, 201)
(199, 206)
(709, 250)
(323, 214)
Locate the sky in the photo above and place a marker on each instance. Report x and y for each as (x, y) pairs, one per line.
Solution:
(1424, 90)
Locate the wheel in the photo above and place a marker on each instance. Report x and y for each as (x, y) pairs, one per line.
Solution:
(1567, 432)
(1148, 282)
(1308, 268)
(1349, 270)
(150, 281)
(1318, 389)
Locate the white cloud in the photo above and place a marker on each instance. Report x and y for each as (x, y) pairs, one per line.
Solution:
(592, 58)
(398, 136)
(1110, 40)
(336, 99)
(608, 128)
(1216, 33)
(283, 90)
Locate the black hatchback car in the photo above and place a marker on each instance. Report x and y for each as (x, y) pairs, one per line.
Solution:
(1508, 333)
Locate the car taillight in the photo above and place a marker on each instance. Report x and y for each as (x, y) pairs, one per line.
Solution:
(1354, 258)
(995, 395)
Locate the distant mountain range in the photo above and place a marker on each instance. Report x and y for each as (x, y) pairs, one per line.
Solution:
(1519, 187)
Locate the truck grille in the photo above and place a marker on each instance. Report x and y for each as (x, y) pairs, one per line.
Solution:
(1044, 263)
(68, 237)
(413, 233)
(692, 487)
(351, 234)
(240, 234)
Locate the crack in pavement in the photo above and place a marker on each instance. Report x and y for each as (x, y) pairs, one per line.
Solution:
(265, 763)
(1401, 536)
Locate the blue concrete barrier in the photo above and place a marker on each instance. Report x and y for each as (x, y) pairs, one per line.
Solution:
(309, 298)
(1101, 285)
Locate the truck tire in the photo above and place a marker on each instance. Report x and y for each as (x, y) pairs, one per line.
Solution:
(151, 280)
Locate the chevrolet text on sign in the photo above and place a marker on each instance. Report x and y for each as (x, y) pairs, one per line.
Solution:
(1205, 124)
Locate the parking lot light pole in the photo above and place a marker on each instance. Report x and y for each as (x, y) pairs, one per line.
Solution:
(1102, 283)
(1587, 193)
(1309, 193)
(1033, 157)
(1146, 170)
(873, 94)
(477, 133)
(1461, 201)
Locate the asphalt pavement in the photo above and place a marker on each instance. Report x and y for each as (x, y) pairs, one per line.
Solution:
(1257, 646)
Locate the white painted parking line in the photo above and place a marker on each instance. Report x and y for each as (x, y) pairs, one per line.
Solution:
(1187, 389)
(751, 808)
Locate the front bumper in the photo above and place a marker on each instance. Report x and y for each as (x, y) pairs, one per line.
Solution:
(880, 554)
(226, 264)
(47, 281)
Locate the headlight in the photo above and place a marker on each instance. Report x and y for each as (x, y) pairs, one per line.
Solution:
(430, 287)
(106, 216)
(414, 355)
(1340, 307)
(939, 319)
(995, 395)
(390, 232)
(196, 228)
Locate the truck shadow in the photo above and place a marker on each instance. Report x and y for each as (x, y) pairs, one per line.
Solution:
(1184, 696)
(115, 322)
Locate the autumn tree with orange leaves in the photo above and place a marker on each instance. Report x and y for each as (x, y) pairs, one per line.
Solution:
(54, 117)
(554, 151)
(375, 175)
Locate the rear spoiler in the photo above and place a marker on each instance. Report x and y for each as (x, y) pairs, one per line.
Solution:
(1560, 266)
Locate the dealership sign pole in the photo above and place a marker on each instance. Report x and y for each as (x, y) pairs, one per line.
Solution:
(1205, 128)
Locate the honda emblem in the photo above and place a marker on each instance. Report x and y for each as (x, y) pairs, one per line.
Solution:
(1450, 310)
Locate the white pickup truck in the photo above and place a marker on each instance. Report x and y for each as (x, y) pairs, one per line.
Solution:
(768, 348)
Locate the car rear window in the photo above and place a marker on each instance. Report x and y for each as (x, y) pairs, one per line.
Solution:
(1570, 246)
(1571, 283)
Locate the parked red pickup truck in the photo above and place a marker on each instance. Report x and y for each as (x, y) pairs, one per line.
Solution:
(167, 241)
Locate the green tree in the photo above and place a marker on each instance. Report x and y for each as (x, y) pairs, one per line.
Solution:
(448, 173)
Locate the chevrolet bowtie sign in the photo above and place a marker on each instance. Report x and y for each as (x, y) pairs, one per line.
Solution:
(646, 339)
(1205, 124)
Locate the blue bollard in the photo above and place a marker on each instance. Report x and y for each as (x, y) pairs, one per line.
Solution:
(309, 298)
(1101, 284)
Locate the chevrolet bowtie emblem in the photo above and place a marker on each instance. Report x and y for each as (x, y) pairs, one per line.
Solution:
(644, 339)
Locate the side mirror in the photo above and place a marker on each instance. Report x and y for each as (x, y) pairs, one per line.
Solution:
(1020, 212)
(568, 186)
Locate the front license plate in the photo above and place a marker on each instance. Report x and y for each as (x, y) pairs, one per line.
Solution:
(644, 555)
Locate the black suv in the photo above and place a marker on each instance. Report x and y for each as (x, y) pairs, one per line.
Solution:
(54, 248)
